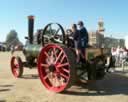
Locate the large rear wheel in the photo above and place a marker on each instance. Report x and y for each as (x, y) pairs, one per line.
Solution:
(56, 67)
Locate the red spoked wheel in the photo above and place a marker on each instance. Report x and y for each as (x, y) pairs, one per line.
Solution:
(16, 66)
(56, 68)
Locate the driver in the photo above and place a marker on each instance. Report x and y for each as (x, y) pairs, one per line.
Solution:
(82, 40)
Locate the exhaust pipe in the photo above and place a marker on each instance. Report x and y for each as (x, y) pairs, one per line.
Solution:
(30, 28)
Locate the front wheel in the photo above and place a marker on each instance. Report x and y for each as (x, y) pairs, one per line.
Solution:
(16, 66)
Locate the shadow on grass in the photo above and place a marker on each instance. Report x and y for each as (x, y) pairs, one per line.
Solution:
(112, 84)
(6, 85)
(3, 90)
(3, 101)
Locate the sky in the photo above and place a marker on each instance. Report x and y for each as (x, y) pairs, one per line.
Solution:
(13, 15)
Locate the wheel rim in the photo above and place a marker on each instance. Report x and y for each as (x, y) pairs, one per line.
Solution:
(15, 65)
(54, 68)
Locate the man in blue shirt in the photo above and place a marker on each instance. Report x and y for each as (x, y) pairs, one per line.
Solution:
(82, 40)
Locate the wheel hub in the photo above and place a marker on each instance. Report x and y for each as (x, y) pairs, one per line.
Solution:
(52, 68)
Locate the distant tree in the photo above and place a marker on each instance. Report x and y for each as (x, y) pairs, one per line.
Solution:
(12, 39)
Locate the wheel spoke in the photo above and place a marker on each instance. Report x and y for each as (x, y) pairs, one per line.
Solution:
(50, 29)
(66, 70)
(57, 31)
(62, 65)
(58, 56)
(64, 76)
(46, 54)
(62, 58)
(54, 51)
(44, 65)
(46, 76)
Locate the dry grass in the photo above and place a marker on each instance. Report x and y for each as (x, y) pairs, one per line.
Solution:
(113, 88)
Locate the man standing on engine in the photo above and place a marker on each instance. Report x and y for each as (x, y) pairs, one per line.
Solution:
(82, 40)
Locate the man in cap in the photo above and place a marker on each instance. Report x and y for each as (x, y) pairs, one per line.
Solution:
(82, 45)
(83, 39)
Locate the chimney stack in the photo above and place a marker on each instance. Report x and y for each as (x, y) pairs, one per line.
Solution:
(30, 28)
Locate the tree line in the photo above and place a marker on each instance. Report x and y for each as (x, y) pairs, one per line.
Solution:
(12, 39)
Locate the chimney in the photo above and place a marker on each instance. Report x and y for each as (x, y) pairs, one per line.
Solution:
(30, 28)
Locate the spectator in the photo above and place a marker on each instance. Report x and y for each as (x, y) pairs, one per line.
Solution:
(117, 56)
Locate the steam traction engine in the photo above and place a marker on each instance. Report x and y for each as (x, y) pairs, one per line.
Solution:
(51, 51)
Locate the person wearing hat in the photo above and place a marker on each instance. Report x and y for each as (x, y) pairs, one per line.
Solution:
(82, 45)
(82, 40)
